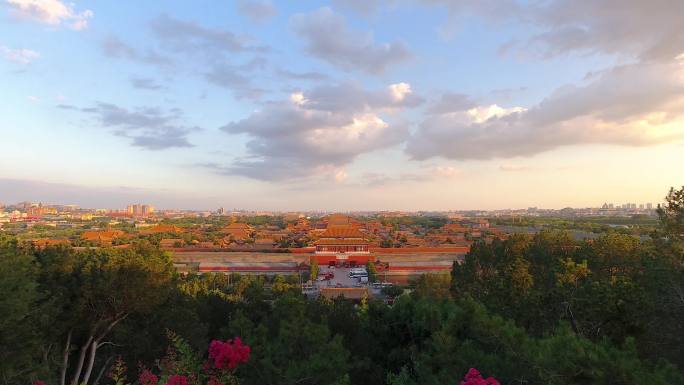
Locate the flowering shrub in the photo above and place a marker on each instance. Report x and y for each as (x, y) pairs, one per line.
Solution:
(227, 355)
(473, 377)
(182, 366)
(177, 380)
(148, 378)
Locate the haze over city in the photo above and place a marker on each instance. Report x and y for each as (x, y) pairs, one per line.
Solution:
(341, 105)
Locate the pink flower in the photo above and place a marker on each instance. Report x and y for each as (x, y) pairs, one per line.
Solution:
(148, 378)
(227, 355)
(177, 380)
(473, 377)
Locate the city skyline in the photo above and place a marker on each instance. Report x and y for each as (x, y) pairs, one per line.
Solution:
(341, 105)
(144, 209)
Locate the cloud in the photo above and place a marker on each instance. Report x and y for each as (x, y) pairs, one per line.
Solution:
(648, 30)
(149, 128)
(145, 84)
(375, 179)
(315, 132)
(635, 104)
(311, 75)
(115, 48)
(207, 51)
(232, 78)
(53, 12)
(20, 56)
(328, 37)
(257, 10)
(179, 35)
(351, 96)
(362, 7)
(451, 102)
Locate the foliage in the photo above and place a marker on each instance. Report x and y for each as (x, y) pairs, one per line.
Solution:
(19, 346)
(372, 272)
(313, 275)
(534, 309)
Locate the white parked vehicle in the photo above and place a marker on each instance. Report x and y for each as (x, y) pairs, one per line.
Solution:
(358, 272)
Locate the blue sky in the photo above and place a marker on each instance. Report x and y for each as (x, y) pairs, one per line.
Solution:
(341, 105)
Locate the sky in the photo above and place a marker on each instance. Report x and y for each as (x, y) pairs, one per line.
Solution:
(342, 104)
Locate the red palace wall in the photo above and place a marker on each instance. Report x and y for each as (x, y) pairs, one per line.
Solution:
(361, 259)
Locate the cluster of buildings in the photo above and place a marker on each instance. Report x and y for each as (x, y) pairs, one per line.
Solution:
(398, 244)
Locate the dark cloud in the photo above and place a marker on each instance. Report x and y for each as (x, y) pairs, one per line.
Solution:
(362, 7)
(311, 75)
(145, 84)
(185, 36)
(646, 29)
(232, 78)
(115, 48)
(208, 52)
(66, 107)
(318, 131)
(650, 30)
(257, 10)
(451, 102)
(147, 127)
(328, 37)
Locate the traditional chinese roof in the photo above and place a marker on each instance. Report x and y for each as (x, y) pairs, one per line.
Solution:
(239, 234)
(103, 235)
(162, 229)
(331, 241)
(342, 232)
(338, 219)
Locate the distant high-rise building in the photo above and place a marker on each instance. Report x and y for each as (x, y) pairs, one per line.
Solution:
(649, 206)
(641, 206)
(139, 210)
(221, 211)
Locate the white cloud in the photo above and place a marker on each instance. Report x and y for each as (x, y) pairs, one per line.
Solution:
(314, 132)
(21, 56)
(636, 105)
(400, 91)
(484, 113)
(53, 12)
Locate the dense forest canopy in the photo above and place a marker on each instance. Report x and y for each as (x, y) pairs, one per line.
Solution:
(542, 309)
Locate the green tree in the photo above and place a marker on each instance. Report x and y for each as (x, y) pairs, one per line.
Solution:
(20, 337)
(372, 272)
(313, 275)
